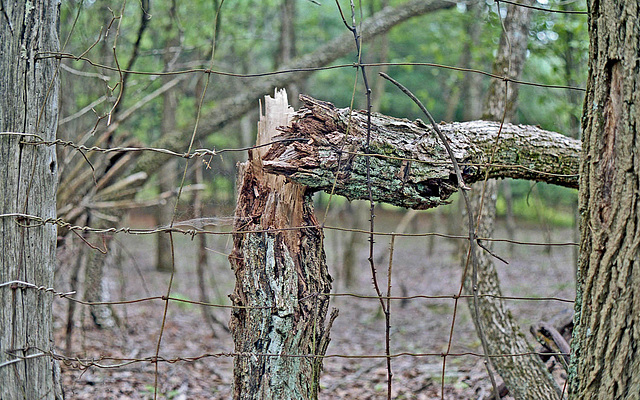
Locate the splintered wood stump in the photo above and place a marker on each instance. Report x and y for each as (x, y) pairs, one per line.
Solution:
(409, 165)
(280, 268)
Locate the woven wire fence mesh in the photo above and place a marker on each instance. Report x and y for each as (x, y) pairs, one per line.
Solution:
(124, 329)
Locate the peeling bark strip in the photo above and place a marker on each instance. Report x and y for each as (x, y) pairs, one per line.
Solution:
(428, 180)
(278, 274)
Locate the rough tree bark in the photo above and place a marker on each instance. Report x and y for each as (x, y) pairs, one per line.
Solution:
(28, 106)
(526, 377)
(278, 271)
(605, 351)
(317, 152)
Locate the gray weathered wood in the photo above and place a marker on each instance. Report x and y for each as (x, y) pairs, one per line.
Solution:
(323, 155)
(28, 177)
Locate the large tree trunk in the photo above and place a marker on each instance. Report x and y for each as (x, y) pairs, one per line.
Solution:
(28, 106)
(409, 166)
(605, 350)
(279, 270)
(526, 376)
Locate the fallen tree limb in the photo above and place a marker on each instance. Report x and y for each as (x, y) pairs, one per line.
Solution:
(409, 165)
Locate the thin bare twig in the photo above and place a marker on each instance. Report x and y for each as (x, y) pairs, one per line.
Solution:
(357, 38)
(387, 316)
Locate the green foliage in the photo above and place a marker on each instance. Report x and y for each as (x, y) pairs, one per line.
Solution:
(247, 39)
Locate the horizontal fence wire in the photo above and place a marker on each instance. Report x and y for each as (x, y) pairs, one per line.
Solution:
(45, 55)
(15, 284)
(199, 224)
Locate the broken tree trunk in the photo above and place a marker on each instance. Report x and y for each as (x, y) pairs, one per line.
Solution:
(409, 165)
(280, 268)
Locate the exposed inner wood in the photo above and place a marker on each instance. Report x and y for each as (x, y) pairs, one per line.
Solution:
(279, 273)
(409, 165)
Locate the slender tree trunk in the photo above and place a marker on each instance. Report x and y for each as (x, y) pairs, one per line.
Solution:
(164, 211)
(352, 216)
(380, 49)
(279, 271)
(28, 106)
(526, 377)
(510, 222)
(471, 93)
(605, 351)
(168, 176)
(287, 44)
(472, 83)
(96, 289)
(163, 214)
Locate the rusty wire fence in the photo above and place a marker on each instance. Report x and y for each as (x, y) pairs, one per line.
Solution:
(381, 344)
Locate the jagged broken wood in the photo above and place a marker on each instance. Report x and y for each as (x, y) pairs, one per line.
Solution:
(279, 321)
(409, 165)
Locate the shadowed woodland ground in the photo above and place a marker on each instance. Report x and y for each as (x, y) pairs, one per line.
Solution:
(417, 325)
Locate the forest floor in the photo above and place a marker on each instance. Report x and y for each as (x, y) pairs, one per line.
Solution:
(417, 326)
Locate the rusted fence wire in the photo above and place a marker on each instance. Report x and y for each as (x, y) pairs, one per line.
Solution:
(203, 226)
